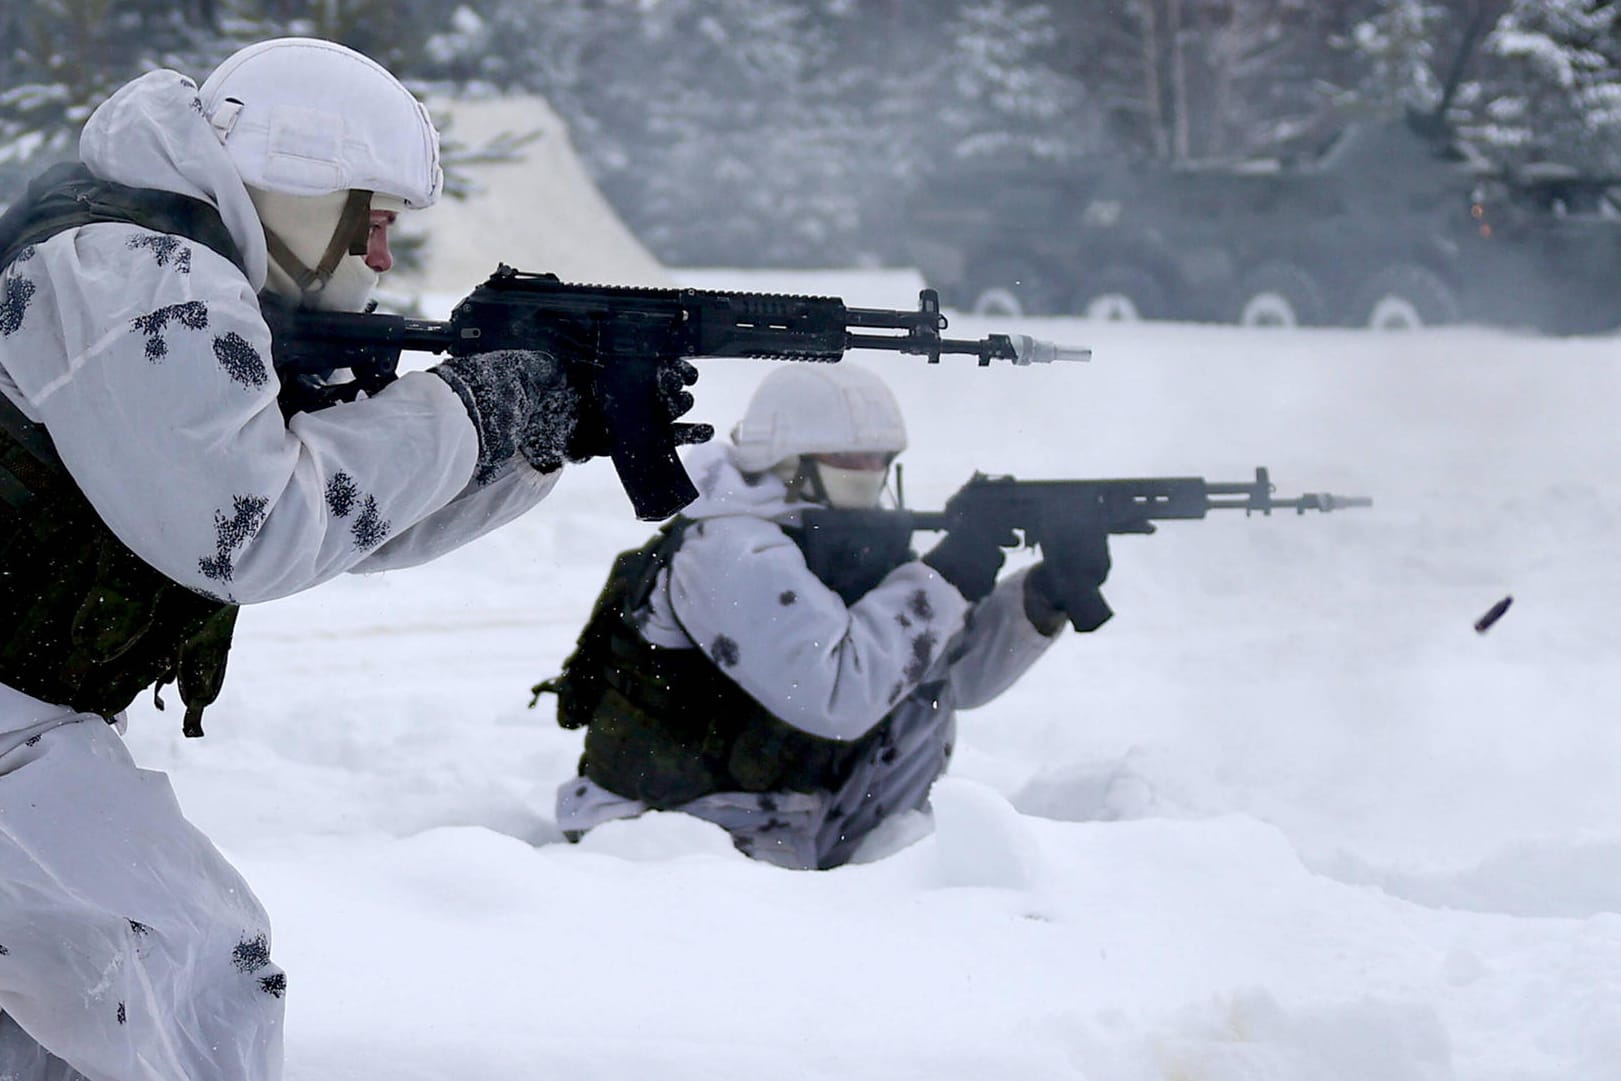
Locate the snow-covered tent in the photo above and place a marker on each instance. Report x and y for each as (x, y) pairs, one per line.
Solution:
(540, 213)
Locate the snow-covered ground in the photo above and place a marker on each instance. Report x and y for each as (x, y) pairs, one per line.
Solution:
(1288, 816)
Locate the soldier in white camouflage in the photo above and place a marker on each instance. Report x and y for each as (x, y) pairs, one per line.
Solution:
(793, 680)
(154, 476)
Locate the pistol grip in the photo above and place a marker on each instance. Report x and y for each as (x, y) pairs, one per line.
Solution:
(643, 441)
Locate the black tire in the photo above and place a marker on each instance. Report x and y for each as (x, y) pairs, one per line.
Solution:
(1014, 287)
(1404, 296)
(1279, 295)
(1122, 293)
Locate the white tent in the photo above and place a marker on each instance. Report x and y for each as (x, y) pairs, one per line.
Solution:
(541, 213)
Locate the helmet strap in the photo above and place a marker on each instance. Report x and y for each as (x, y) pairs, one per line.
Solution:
(807, 482)
(350, 237)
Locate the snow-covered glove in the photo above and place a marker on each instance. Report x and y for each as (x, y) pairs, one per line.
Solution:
(525, 404)
(1065, 584)
(970, 556)
(521, 403)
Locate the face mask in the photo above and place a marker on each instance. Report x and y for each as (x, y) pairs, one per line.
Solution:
(305, 223)
(852, 489)
(831, 486)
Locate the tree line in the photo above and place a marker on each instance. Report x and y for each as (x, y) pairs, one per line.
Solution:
(793, 132)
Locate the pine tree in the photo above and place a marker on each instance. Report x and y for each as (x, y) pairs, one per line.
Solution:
(61, 58)
(1008, 95)
(1556, 91)
(795, 131)
(1397, 45)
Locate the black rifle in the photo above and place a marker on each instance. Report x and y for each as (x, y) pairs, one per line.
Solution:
(1038, 509)
(1031, 512)
(622, 336)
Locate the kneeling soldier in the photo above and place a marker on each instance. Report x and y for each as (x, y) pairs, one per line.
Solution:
(792, 675)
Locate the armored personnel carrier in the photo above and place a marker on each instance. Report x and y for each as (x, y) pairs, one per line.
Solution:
(1389, 227)
(1392, 224)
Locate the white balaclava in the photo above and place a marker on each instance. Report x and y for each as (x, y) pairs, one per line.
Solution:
(845, 489)
(300, 229)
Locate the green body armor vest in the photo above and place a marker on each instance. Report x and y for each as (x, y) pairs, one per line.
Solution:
(666, 726)
(84, 621)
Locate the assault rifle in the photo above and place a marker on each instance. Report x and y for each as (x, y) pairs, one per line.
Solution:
(867, 544)
(1040, 508)
(622, 336)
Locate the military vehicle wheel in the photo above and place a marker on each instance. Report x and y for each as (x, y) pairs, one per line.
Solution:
(1406, 296)
(1122, 294)
(1280, 295)
(997, 300)
(1015, 288)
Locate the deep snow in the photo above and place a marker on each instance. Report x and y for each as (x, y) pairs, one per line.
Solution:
(1287, 816)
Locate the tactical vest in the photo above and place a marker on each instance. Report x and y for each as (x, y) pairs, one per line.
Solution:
(84, 621)
(666, 725)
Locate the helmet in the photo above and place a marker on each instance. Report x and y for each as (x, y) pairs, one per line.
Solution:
(302, 116)
(817, 409)
(321, 136)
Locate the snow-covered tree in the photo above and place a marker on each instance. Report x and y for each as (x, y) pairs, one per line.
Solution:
(60, 58)
(1397, 46)
(1008, 92)
(1556, 91)
(794, 131)
(1201, 79)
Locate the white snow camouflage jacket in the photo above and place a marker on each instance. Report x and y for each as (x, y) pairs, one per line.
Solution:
(739, 589)
(795, 648)
(146, 358)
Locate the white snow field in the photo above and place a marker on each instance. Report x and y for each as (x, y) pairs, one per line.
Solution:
(1287, 817)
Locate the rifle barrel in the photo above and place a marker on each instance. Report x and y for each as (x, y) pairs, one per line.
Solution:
(1323, 501)
(1020, 349)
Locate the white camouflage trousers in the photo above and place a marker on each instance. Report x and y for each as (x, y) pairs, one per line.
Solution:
(130, 950)
(804, 830)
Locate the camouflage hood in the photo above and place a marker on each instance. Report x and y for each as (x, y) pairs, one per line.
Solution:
(152, 134)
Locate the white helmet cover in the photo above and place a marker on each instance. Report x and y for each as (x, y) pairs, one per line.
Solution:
(817, 409)
(303, 116)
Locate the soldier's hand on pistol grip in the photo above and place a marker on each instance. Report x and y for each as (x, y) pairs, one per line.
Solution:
(592, 434)
(524, 403)
(1066, 583)
(970, 556)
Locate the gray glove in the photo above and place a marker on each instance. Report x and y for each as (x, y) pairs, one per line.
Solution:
(527, 405)
(521, 404)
